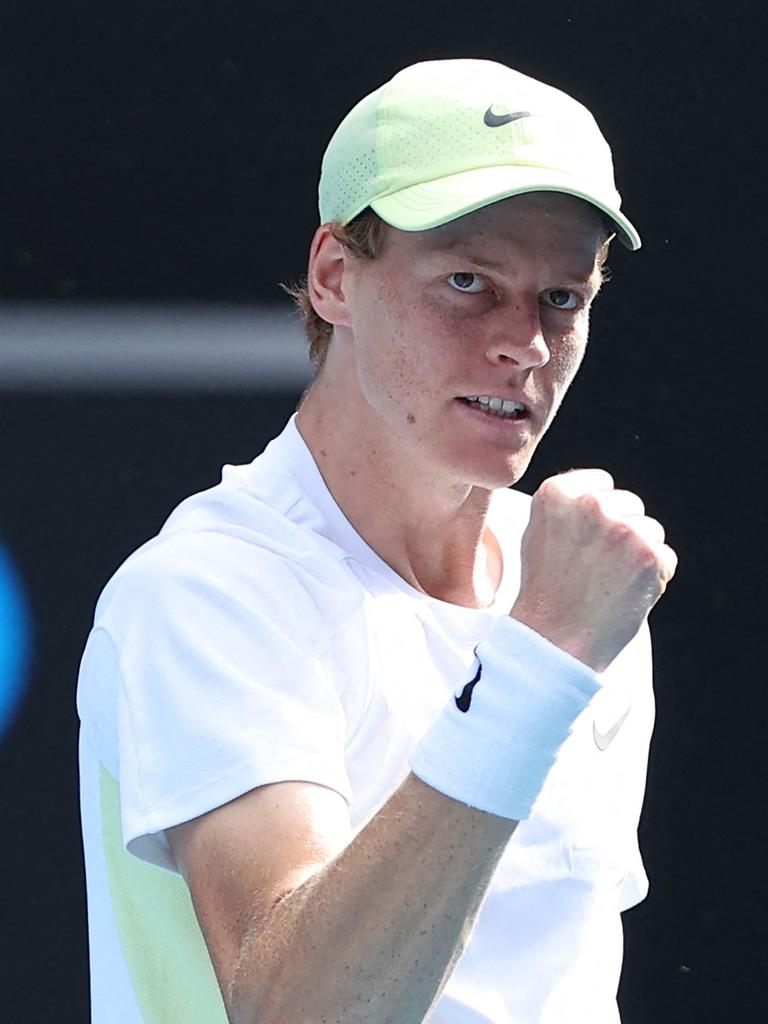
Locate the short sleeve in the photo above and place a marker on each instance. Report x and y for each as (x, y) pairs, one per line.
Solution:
(203, 678)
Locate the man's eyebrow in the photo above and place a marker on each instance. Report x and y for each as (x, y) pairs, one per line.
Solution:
(590, 277)
(441, 240)
(481, 261)
(465, 250)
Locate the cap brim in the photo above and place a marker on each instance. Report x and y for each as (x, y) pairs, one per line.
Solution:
(430, 204)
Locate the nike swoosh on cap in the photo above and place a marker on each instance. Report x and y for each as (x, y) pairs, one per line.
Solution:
(496, 120)
(603, 740)
(465, 697)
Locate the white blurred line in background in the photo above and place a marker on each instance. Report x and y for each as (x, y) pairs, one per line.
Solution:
(66, 347)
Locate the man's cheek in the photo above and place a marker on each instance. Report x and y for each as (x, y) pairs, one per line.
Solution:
(565, 360)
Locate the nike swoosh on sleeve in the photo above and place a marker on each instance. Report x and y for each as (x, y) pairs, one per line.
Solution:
(603, 740)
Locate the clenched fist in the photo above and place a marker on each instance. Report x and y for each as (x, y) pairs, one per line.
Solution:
(593, 566)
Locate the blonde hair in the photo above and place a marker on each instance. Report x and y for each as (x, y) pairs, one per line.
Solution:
(364, 238)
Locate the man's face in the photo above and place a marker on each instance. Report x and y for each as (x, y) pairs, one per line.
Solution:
(494, 305)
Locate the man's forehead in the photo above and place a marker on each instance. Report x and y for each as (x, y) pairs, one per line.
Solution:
(560, 220)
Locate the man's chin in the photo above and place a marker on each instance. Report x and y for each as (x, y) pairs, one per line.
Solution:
(505, 475)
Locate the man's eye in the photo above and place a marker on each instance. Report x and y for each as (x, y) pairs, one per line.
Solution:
(561, 298)
(466, 282)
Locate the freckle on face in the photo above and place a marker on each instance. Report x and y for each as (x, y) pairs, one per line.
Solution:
(411, 418)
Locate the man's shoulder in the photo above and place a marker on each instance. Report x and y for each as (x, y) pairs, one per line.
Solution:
(231, 547)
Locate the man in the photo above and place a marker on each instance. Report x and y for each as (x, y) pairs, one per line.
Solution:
(364, 730)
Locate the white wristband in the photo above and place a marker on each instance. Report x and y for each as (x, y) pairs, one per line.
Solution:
(493, 745)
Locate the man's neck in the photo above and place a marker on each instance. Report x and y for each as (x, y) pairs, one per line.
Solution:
(432, 532)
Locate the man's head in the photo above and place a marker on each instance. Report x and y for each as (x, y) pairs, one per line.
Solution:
(446, 137)
(466, 215)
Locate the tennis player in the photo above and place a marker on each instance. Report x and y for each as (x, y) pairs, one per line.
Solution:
(365, 728)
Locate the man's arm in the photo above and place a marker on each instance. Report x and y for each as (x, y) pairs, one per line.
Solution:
(304, 925)
(307, 927)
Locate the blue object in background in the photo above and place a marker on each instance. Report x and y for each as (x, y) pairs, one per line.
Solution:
(15, 635)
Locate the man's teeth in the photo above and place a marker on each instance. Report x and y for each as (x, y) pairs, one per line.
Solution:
(497, 406)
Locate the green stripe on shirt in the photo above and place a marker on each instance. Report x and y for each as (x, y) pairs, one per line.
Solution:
(168, 962)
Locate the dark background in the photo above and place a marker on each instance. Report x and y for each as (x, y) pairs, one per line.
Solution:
(170, 152)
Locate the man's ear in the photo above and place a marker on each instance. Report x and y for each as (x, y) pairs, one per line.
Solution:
(325, 277)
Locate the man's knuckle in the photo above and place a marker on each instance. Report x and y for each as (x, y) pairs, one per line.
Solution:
(590, 503)
(548, 495)
(552, 485)
(622, 530)
(647, 559)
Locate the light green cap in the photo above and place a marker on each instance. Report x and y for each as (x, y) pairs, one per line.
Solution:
(446, 137)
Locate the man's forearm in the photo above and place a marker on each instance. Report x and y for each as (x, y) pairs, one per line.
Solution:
(373, 936)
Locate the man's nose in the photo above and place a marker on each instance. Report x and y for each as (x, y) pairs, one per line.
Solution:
(519, 340)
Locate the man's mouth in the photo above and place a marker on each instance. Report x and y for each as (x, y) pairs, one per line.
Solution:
(505, 408)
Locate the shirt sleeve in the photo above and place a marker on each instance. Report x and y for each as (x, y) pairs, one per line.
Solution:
(202, 679)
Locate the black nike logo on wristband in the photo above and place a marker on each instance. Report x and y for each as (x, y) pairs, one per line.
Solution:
(465, 697)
